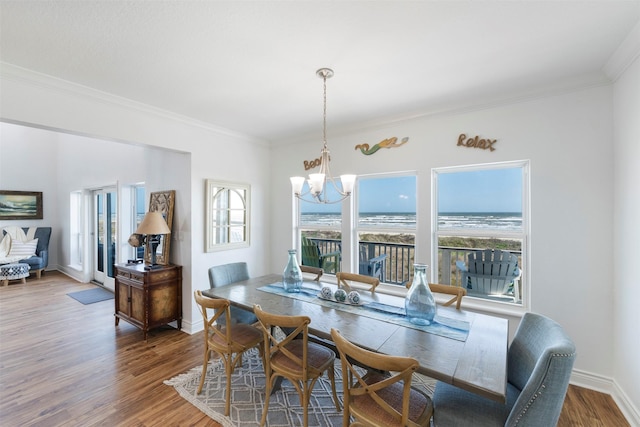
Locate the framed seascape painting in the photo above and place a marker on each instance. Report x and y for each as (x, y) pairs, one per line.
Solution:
(20, 204)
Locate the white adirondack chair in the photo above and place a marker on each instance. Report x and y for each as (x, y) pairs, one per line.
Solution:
(490, 273)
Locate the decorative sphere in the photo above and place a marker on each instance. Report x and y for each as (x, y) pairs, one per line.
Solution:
(136, 240)
(354, 297)
(326, 292)
(340, 295)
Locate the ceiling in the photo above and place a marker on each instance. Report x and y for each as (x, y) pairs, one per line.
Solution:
(250, 66)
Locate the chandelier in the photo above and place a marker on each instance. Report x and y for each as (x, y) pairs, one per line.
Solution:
(318, 182)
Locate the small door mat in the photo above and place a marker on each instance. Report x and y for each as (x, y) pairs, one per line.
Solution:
(90, 296)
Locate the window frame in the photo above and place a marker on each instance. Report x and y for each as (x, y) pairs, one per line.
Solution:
(523, 235)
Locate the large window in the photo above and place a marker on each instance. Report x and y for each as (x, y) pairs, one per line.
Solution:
(480, 222)
(320, 229)
(386, 227)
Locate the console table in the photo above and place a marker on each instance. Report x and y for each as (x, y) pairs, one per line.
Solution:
(148, 298)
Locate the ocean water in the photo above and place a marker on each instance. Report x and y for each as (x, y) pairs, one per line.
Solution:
(507, 221)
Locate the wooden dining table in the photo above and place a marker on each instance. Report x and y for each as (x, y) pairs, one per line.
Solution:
(477, 363)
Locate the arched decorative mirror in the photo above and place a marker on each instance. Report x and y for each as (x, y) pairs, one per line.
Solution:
(227, 215)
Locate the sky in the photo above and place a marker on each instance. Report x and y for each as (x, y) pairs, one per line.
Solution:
(495, 190)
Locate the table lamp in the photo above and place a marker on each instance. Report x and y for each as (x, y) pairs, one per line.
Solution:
(153, 226)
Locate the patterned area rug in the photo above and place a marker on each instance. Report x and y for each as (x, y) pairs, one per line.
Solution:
(247, 396)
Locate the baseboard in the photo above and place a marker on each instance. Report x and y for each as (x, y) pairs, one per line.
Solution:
(611, 387)
(628, 409)
(191, 328)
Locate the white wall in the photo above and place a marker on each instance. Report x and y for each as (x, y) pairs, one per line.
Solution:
(568, 140)
(214, 153)
(32, 159)
(626, 354)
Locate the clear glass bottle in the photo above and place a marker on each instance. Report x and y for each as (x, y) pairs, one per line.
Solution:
(419, 304)
(292, 275)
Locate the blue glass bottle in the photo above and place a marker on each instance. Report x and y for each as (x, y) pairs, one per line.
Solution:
(419, 304)
(292, 275)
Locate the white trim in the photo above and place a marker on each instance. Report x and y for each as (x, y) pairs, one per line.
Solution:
(624, 55)
(25, 76)
(627, 407)
(608, 386)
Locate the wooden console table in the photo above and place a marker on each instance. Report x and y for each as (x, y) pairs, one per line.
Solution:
(148, 298)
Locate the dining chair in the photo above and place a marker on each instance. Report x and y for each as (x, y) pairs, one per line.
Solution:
(293, 357)
(343, 277)
(457, 292)
(227, 341)
(313, 270)
(540, 360)
(381, 396)
(226, 274)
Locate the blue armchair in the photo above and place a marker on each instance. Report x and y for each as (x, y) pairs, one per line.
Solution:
(40, 260)
(226, 274)
(540, 360)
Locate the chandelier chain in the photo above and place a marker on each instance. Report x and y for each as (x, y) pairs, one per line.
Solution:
(324, 112)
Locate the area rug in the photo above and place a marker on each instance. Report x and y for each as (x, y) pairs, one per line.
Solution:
(90, 296)
(247, 396)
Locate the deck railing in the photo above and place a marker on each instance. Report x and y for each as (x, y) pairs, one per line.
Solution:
(398, 267)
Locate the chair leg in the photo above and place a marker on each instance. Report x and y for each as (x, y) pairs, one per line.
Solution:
(265, 410)
(332, 377)
(228, 367)
(204, 368)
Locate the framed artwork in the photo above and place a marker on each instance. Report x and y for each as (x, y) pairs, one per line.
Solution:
(163, 202)
(228, 212)
(20, 204)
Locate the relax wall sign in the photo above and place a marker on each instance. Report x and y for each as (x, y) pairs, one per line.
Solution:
(485, 144)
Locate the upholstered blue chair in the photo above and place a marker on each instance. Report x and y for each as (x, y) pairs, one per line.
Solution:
(226, 274)
(540, 360)
(39, 261)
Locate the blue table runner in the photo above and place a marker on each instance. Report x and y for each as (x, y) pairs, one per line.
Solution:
(442, 326)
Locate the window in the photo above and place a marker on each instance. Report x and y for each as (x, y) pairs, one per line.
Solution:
(322, 225)
(482, 211)
(386, 227)
(138, 211)
(76, 227)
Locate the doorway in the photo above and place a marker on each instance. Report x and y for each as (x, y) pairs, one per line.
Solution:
(105, 226)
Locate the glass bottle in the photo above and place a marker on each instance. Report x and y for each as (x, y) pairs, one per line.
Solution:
(292, 275)
(419, 304)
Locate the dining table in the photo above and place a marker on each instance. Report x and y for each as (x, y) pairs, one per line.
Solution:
(462, 348)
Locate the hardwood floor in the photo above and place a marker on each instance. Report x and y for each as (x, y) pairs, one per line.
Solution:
(64, 363)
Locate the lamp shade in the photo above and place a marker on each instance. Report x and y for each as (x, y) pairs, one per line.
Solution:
(153, 223)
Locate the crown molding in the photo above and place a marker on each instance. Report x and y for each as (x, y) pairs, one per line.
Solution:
(624, 55)
(32, 78)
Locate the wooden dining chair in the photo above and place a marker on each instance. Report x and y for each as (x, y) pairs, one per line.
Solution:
(381, 396)
(457, 292)
(227, 341)
(343, 277)
(313, 270)
(293, 357)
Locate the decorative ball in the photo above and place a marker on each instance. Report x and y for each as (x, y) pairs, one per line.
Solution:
(136, 240)
(340, 295)
(326, 292)
(354, 297)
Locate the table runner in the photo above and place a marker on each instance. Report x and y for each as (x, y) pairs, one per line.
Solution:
(442, 326)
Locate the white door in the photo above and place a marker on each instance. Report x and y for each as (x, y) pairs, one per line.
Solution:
(105, 209)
